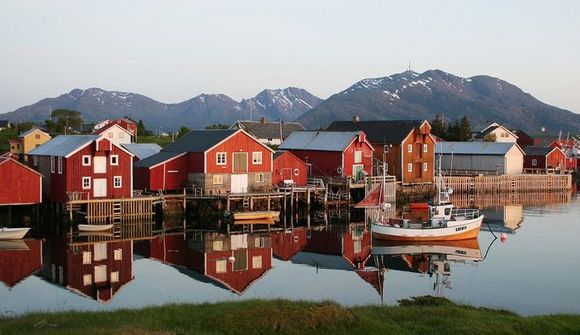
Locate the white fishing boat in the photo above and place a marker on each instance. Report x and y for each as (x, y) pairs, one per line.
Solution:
(95, 228)
(446, 222)
(13, 233)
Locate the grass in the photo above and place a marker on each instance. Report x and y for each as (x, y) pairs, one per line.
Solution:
(423, 315)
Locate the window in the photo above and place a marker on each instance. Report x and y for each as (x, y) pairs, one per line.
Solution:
(447, 211)
(425, 148)
(86, 160)
(35, 160)
(114, 159)
(259, 178)
(410, 167)
(117, 182)
(424, 166)
(220, 158)
(221, 266)
(86, 183)
(257, 262)
(87, 280)
(410, 148)
(218, 245)
(257, 157)
(37, 136)
(357, 246)
(60, 165)
(118, 254)
(110, 135)
(121, 135)
(115, 277)
(87, 257)
(218, 179)
(260, 242)
(534, 162)
(51, 164)
(358, 156)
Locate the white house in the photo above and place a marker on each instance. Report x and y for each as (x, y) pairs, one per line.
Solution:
(115, 133)
(470, 158)
(502, 134)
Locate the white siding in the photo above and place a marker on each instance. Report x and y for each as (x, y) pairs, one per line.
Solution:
(514, 161)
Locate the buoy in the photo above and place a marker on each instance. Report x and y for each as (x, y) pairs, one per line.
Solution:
(231, 259)
(503, 237)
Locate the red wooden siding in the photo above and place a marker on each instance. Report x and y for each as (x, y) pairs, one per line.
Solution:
(287, 166)
(367, 157)
(240, 142)
(16, 265)
(417, 157)
(555, 159)
(19, 184)
(170, 175)
(287, 244)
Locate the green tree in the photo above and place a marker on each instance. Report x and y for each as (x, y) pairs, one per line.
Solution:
(141, 130)
(438, 127)
(67, 121)
(218, 126)
(453, 131)
(464, 129)
(490, 138)
(182, 131)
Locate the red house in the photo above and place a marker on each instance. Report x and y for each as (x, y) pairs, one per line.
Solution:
(126, 124)
(96, 270)
(543, 158)
(524, 139)
(289, 169)
(286, 244)
(19, 184)
(216, 161)
(83, 167)
(332, 153)
(20, 260)
(234, 261)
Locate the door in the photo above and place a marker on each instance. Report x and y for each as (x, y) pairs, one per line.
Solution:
(239, 183)
(100, 164)
(99, 187)
(357, 171)
(240, 160)
(100, 273)
(418, 170)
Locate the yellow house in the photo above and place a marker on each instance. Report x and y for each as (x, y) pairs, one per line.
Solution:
(28, 141)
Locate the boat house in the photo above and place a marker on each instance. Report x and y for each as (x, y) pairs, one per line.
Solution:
(270, 133)
(472, 158)
(406, 146)
(82, 167)
(19, 184)
(543, 159)
(289, 170)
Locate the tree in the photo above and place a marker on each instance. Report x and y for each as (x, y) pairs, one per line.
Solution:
(490, 138)
(453, 131)
(438, 127)
(182, 131)
(67, 120)
(218, 126)
(464, 130)
(141, 130)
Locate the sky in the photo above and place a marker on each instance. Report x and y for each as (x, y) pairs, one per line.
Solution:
(172, 50)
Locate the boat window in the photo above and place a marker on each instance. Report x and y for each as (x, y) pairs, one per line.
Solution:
(447, 211)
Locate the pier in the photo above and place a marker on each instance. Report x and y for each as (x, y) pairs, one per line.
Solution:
(505, 183)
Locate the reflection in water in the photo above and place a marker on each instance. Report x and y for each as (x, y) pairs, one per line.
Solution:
(18, 260)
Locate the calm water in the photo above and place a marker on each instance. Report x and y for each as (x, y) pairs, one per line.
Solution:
(536, 271)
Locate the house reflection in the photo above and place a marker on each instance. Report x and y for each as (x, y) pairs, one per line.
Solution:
(234, 262)
(19, 259)
(503, 219)
(287, 243)
(97, 270)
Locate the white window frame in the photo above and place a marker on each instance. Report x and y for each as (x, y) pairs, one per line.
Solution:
(425, 167)
(110, 134)
(221, 266)
(425, 147)
(219, 161)
(52, 164)
(256, 262)
(534, 162)
(259, 178)
(358, 157)
(409, 148)
(35, 160)
(87, 257)
(114, 276)
(59, 165)
(410, 167)
(256, 157)
(115, 158)
(118, 179)
(83, 183)
(218, 245)
(87, 279)
(218, 179)
(87, 158)
(118, 254)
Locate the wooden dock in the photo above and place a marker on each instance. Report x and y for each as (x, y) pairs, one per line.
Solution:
(518, 183)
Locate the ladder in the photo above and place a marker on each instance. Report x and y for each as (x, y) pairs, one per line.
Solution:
(117, 218)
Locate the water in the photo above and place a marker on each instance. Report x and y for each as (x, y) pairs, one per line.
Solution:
(534, 272)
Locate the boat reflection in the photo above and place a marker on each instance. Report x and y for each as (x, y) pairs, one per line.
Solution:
(19, 259)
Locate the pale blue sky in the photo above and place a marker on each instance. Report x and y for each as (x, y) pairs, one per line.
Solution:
(174, 50)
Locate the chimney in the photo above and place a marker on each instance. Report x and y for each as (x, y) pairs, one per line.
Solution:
(355, 119)
(263, 120)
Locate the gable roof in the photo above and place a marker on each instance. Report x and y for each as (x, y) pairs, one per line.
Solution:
(538, 151)
(63, 145)
(381, 131)
(491, 128)
(280, 153)
(319, 140)
(158, 158)
(203, 140)
(268, 130)
(142, 150)
(475, 148)
(109, 126)
(30, 131)
(6, 159)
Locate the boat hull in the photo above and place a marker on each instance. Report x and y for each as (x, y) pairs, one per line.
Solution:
(13, 233)
(256, 215)
(94, 228)
(467, 229)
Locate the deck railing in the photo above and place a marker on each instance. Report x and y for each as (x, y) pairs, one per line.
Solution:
(466, 213)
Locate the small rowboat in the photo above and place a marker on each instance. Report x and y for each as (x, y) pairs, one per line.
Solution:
(267, 221)
(14, 245)
(92, 227)
(13, 233)
(256, 215)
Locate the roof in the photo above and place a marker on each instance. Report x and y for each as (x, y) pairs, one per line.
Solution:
(26, 133)
(269, 130)
(199, 140)
(5, 159)
(474, 148)
(142, 150)
(537, 151)
(384, 131)
(491, 128)
(160, 157)
(319, 140)
(63, 145)
(109, 126)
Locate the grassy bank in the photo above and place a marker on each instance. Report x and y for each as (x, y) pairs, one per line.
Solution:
(420, 316)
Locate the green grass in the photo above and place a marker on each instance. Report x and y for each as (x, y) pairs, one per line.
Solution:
(424, 315)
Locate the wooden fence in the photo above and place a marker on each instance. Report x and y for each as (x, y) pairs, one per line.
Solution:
(518, 183)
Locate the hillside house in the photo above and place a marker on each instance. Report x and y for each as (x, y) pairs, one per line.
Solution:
(289, 170)
(270, 133)
(19, 184)
(501, 134)
(542, 159)
(126, 124)
(115, 133)
(216, 161)
(471, 158)
(407, 146)
(332, 153)
(83, 167)
(28, 141)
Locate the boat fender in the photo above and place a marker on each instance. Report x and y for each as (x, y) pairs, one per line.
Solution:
(296, 172)
(339, 170)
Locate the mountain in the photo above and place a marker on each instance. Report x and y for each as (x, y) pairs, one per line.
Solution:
(96, 104)
(411, 95)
